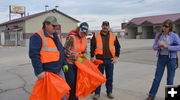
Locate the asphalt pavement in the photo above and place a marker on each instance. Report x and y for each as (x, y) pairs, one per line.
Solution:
(133, 74)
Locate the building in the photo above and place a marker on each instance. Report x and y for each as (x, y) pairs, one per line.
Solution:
(17, 32)
(147, 27)
(119, 32)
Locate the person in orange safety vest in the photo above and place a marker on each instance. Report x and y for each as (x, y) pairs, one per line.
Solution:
(75, 50)
(46, 51)
(105, 46)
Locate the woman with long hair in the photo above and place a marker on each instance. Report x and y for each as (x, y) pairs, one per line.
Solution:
(75, 50)
(166, 44)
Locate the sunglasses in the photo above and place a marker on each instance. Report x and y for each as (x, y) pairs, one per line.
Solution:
(166, 26)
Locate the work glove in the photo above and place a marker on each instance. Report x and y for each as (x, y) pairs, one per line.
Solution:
(65, 68)
(79, 59)
(85, 55)
(114, 60)
(41, 75)
(92, 59)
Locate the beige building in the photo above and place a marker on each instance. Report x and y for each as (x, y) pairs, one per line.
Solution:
(17, 32)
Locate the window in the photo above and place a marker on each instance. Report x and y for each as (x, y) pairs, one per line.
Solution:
(12, 36)
(20, 35)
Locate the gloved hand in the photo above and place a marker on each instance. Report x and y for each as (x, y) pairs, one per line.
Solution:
(92, 59)
(85, 55)
(65, 68)
(41, 75)
(79, 59)
(114, 60)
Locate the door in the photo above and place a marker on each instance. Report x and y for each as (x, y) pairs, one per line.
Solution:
(2, 38)
(19, 37)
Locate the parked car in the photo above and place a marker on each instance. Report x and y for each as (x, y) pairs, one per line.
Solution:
(89, 35)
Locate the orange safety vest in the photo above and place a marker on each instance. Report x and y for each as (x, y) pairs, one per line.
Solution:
(49, 51)
(78, 46)
(99, 44)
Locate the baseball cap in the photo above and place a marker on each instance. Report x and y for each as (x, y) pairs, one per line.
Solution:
(52, 20)
(84, 27)
(105, 23)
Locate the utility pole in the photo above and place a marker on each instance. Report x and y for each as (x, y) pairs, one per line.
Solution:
(9, 12)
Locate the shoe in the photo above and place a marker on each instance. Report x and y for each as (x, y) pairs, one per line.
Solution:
(96, 96)
(109, 95)
(149, 98)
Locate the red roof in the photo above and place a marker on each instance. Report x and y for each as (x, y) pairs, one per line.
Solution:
(155, 19)
(35, 15)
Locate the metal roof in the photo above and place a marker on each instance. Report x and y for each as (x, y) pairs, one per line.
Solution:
(35, 15)
(155, 19)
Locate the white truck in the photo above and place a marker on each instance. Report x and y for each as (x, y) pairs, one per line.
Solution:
(89, 36)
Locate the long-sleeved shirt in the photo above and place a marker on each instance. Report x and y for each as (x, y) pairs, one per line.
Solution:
(106, 51)
(173, 39)
(34, 54)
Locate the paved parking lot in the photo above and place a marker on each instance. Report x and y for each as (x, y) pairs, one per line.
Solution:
(133, 73)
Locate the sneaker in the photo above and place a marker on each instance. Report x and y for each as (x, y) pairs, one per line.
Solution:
(96, 96)
(109, 95)
(149, 98)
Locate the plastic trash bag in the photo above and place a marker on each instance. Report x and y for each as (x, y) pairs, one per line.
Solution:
(97, 62)
(88, 77)
(52, 87)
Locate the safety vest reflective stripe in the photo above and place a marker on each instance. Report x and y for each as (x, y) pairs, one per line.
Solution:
(75, 52)
(44, 39)
(98, 47)
(76, 45)
(85, 42)
(112, 47)
(113, 36)
(45, 44)
(49, 51)
(99, 44)
(97, 35)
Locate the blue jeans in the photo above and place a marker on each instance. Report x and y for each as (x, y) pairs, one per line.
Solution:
(162, 62)
(108, 67)
(71, 80)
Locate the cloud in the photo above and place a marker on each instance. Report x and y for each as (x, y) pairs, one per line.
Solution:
(96, 11)
(4, 16)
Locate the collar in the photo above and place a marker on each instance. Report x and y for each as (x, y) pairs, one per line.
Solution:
(72, 32)
(102, 33)
(166, 34)
(47, 35)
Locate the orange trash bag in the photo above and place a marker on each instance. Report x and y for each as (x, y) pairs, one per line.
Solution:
(52, 87)
(88, 77)
(97, 62)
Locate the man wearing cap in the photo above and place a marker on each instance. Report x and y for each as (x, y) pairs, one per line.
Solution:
(75, 50)
(105, 46)
(46, 51)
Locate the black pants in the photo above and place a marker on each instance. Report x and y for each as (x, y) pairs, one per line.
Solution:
(71, 80)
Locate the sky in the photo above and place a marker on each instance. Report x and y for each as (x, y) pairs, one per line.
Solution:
(95, 11)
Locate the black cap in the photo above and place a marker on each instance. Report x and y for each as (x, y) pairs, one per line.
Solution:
(105, 23)
(84, 27)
